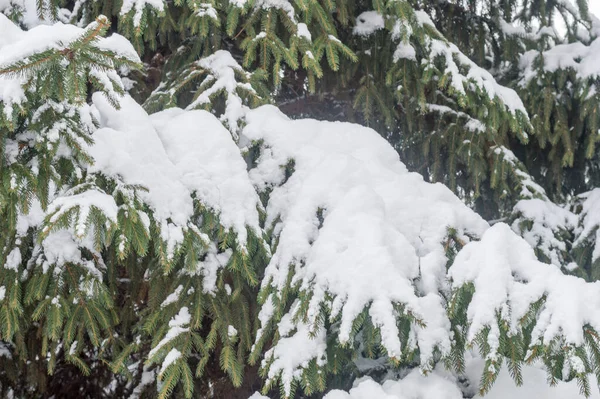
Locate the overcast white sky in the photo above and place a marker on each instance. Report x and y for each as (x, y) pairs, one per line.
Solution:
(595, 7)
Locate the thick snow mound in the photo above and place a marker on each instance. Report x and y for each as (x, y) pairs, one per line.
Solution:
(440, 384)
(173, 155)
(508, 278)
(358, 228)
(209, 164)
(128, 146)
(584, 60)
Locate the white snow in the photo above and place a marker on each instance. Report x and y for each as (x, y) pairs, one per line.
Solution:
(405, 51)
(367, 23)
(58, 36)
(206, 9)
(455, 61)
(582, 58)
(172, 297)
(353, 227)
(171, 358)
(61, 247)
(139, 6)
(508, 278)
(175, 154)
(529, 188)
(17, 45)
(287, 357)
(535, 384)
(28, 12)
(589, 225)
(441, 384)
(128, 146)
(471, 124)
(13, 260)
(177, 325)
(148, 378)
(210, 266)
(579, 218)
(413, 386)
(283, 5)
(231, 331)
(84, 203)
(209, 164)
(476, 75)
(222, 69)
(382, 226)
(516, 29)
(11, 92)
(548, 220)
(304, 32)
(9, 32)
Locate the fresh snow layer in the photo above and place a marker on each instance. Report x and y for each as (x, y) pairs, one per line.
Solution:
(477, 75)
(9, 32)
(58, 36)
(382, 227)
(367, 23)
(171, 358)
(548, 220)
(583, 59)
(209, 164)
(138, 7)
(414, 385)
(508, 278)
(544, 224)
(440, 384)
(179, 324)
(174, 154)
(30, 15)
(17, 45)
(355, 229)
(128, 146)
(456, 62)
(221, 68)
(535, 384)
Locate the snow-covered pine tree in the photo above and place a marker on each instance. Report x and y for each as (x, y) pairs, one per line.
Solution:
(134, 246)
(112, 254)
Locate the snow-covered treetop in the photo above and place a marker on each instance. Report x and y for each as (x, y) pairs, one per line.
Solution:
(221, 76)
(24, 53)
